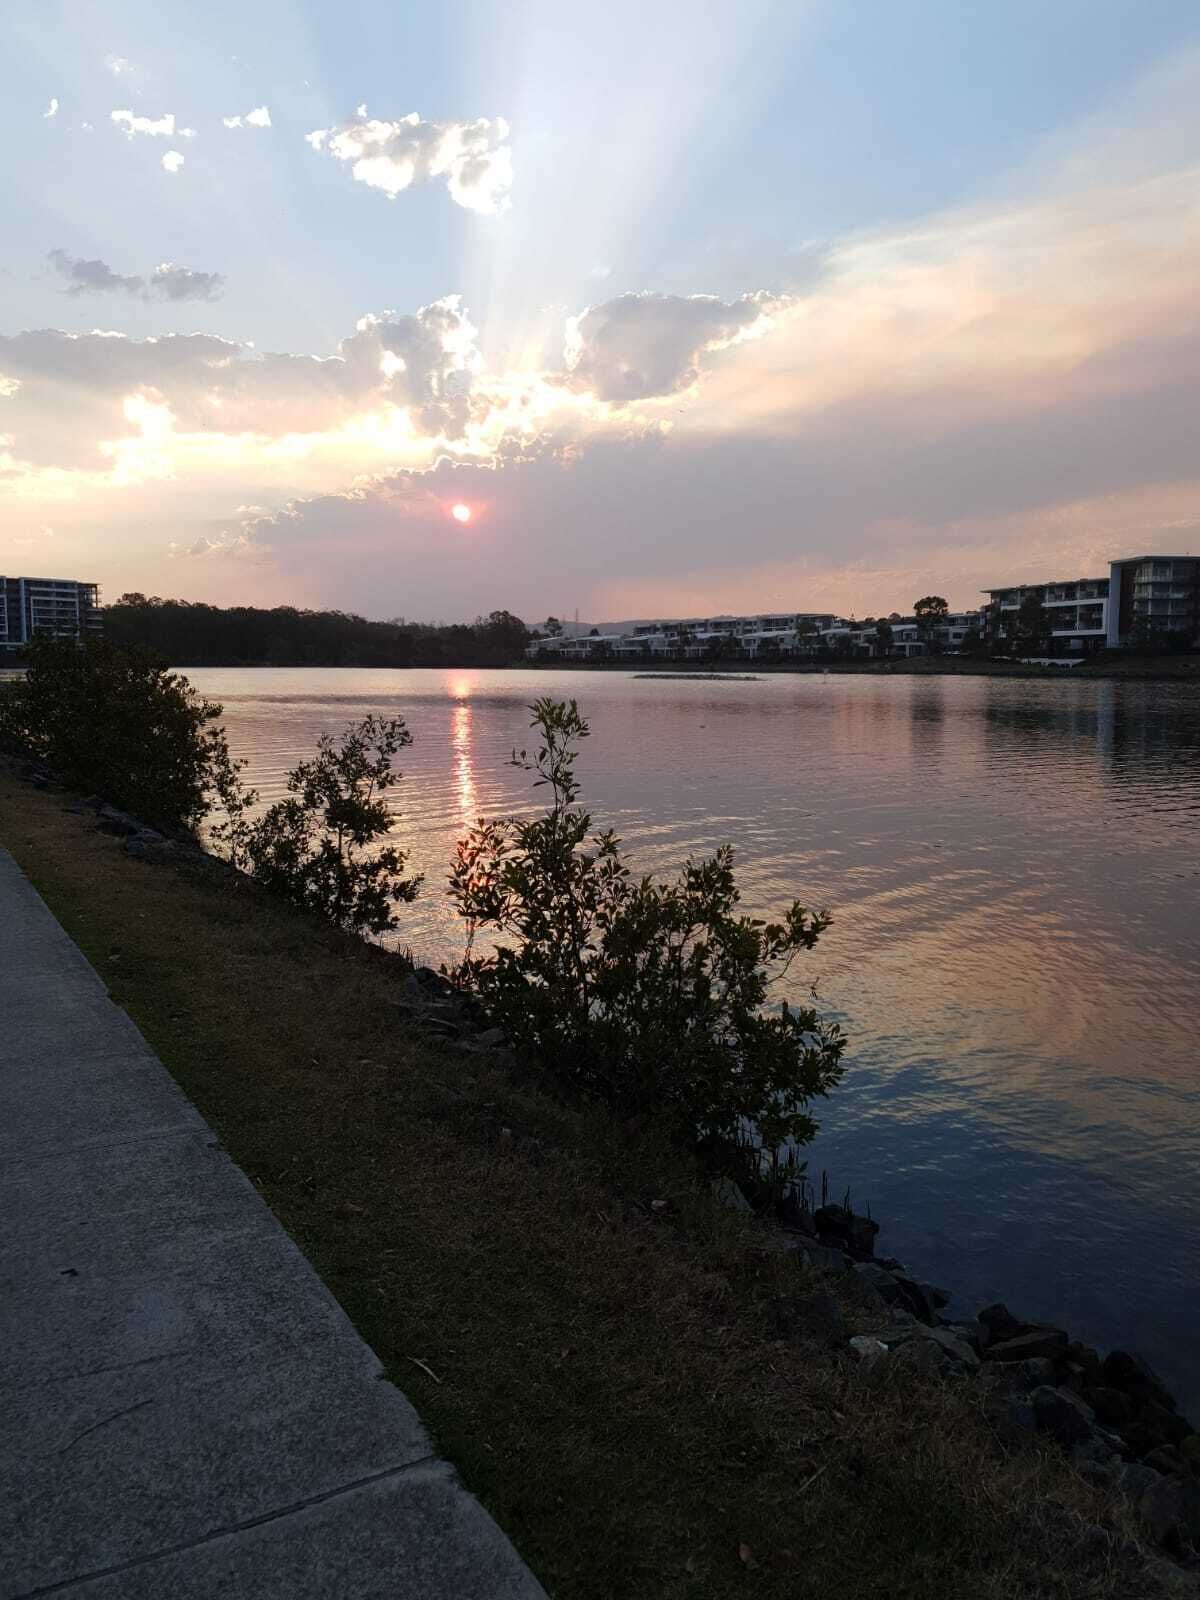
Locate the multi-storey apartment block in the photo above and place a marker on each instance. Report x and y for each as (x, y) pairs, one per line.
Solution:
(1076, 614)
(60, 608)
(1154, 596)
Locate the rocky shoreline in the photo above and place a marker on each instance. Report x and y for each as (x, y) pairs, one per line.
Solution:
(1112, 1415)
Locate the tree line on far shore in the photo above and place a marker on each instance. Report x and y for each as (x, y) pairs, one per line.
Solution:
(197, 635)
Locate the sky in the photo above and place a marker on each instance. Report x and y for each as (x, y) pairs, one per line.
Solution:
(756, 306)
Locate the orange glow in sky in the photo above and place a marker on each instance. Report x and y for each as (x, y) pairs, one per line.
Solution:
(460, 512)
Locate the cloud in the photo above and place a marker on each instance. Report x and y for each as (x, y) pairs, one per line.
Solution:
(92, 277)
(641, 345)
(51, 110)
(156, 128)
(166, 282)
(169, 282)
(394, 379)
(117, 65)
(259, 118)
(473, 157)
(172, 161)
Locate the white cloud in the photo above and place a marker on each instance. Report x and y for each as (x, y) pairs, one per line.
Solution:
(156, 127)
(641, 345)
(51, 110)
(172, 161)
(258, 118)
(473, 157)
(117, 64)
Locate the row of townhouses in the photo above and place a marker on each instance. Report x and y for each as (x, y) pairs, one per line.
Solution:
(1142, 597)
(58, 607)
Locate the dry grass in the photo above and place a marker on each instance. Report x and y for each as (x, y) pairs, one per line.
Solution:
(633, 1392)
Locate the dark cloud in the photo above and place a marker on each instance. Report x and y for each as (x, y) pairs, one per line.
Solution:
(166, 282)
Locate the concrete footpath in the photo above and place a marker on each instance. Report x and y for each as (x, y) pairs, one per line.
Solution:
(185, 1410)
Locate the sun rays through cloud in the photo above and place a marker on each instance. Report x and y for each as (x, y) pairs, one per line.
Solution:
(627, 285)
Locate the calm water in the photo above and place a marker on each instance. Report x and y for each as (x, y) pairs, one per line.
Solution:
(1015, 876)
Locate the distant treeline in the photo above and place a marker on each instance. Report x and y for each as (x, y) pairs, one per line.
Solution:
(194, 635)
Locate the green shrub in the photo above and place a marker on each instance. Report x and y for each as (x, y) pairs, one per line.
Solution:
(120, 724)
(315, 848)
(650, 995)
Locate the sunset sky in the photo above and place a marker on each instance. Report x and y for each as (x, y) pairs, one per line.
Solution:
(692, 308)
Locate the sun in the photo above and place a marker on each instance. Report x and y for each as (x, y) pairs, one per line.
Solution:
(460, 512)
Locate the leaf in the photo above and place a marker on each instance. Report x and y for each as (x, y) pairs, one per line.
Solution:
(746, 1556)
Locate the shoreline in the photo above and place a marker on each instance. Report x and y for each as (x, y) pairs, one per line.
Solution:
(366, 1132)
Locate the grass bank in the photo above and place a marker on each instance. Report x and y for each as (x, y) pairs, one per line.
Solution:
(642, 1395)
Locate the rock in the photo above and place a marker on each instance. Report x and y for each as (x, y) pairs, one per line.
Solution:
(1095, 1451)
(971, 1333)
(937, 1297)
(1154, 1425)
(879, 1278)
(868, 1351)
(491, 1036)
(862, 1293)
(855, 1234)
(110, 820)
(1165, 1459)
(1062, 1414)
(1084, 1356)
(917, 1301)
(136, 848)
(1189, 1451)
(729, 1194)
(957, 1349)
(441, 1027)
(1047, 1342)
(823, 1257)
(1133, 1479)
(1015, 1419)
(1000, 1322)
(1114, 1408)
(1098, 1473)
(1161, 1511)
(432, 982)
(1018, 1375)
(1129, 1373)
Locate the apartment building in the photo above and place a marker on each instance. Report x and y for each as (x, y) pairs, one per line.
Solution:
(1153, 595)
(1076, 613)
(60, 608)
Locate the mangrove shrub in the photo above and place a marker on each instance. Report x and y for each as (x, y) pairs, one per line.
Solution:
(651, 995)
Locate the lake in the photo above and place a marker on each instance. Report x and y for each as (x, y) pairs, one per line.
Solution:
(1014, 871)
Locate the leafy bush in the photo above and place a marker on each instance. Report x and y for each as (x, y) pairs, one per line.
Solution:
(119, 723)
(648, 994)
(314, 848)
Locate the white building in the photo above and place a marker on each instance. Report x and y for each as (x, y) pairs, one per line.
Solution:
(59, 608)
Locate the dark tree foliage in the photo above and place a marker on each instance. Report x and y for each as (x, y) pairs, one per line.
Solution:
(190, 634)
(319, 847)
(118, 723)
(650, 995)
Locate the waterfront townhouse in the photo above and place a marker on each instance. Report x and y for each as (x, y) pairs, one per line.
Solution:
(59, 608)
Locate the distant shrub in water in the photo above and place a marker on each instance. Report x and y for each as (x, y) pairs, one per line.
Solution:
(648, 994)
(316, 848)
(119, 723)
